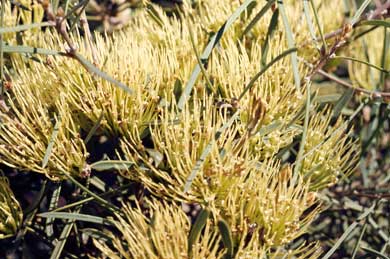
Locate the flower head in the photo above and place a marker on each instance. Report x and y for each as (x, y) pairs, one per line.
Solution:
(11, 215)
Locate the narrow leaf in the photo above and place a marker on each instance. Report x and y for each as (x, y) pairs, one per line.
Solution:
(385, 54)
(291, 44)
(94, 128)
(357, 245)
(76, 216)
(98, 183)
(269, 128)
(200, 63)
(206, 152)
(206, 53)
(271, 29)
(30, 50)
(24, 27)
(363, 62)
(106, 165)
(96, 234)
(297, 167)
(98, 199)
(309, 21)
(53, 205)
(258, 17)
(197, 227)
(318, 25)
(264, 69)
(347, 232)
(227, 239)
(93, 69)
(384, 23)
(376, 253)
(56, 254)
(342, 102)
(52, 140)
(360, 11)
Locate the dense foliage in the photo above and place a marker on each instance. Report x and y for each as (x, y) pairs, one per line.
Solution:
(193, 129)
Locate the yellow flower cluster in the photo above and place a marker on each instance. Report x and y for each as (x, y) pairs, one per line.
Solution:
(370, 49)
(218, 149)
(11, 215)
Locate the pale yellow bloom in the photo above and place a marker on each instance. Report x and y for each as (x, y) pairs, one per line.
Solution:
(11, 215)
(161, 235)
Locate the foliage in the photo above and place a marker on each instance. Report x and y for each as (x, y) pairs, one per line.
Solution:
(245, 131)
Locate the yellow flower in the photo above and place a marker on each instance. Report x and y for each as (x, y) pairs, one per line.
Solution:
(264, 200)
(330, 153)
(369, 49)
(31, 125)
(163, 234)
(11, 215)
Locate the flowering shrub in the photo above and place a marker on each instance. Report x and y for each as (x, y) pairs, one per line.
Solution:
(241, 131)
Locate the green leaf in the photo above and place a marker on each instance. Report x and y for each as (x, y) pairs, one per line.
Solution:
(52, 140)
(56, 254)
(264, 69)
(264, 130)
(347, 232)
(271, 30)
(291, 45)
(197, 227)
(355, 249)
(318, 25)
(201, 64)
(363, 62)
(258, 17)
(94, 128)
(376, 253)
(155, 155)
(96, 234)
(30, 50)
(24, 27)
(206, 53)
(360, 11)
(309, 21)
(76, 216)
(342, 102)
(301, 150)
(97, 198)
(92, 69)
(327, 92)
(53, 205)
(154, 14)
(384, 23)
(206, 152)
(178, 89)
(106, 165)
(227, 239)
(98, 183)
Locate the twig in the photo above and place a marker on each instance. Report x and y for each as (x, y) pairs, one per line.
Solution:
(88, 37)
(373, 94)
(382, 11)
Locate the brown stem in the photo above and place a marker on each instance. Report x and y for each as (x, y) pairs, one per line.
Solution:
(88, 37)
(382, 11)
(373, 94)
